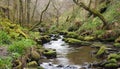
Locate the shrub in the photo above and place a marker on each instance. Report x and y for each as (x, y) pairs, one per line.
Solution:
(4, 38)
(20, 46)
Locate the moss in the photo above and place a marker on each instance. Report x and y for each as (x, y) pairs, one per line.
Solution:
(40, 67)
(112, 61)
(50, 53)
(5, 63)
(101, 51)
(111, 65)
(80, 38)
(89, 38)
(117, 40)
(73, 28)
(35, 55)
(72, 35)
(64, 32)
(21, 46)
(32, 64)
(73, 41)
(18, 64)
(45, 39)
(114, 56)
(117, 45)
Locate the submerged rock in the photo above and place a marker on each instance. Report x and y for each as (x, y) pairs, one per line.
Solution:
(54, 66)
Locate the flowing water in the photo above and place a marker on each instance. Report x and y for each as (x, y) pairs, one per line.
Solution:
(68, 57)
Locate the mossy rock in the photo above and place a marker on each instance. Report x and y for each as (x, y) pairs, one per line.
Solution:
(35, 56)
(89, 38)
(117, 40)
(112, 61)
(73, 41)
(114, 56)
(117, 45)
(63, 32)
(38, 41)
(73, 28)
(80, 38)
(101, 51)
(17, 64)
(40, 67)
(72, 35)
(111, 66)
(32, 64)
(49, 53)
(45, 39)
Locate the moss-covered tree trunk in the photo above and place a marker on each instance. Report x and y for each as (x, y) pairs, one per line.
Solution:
(93, 11)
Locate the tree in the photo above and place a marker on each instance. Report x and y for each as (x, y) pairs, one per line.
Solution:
(21, 16)
(93, 11)
(8, 4)
(35, 6)
(57, 7)
(41, 16)
(28, 11)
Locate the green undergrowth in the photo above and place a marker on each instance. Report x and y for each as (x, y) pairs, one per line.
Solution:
(4, 38)
(16, 39)
(21, 46)
(5, 63)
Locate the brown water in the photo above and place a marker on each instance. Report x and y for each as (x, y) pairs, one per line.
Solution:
(69, 55)
(81, 55)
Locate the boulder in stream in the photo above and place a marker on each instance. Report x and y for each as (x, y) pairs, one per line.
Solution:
(50, 53)
(32, 64)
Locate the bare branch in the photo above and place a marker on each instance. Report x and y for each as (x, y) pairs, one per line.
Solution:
(41, 16)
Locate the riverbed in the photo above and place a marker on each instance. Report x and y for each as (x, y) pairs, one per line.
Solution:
(73, 57)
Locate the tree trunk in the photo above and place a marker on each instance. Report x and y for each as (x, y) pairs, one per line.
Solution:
(94, 12)
(41, 16)
(20, 11)
(28, 11)
(14, 10)
(8, 13)
(35, 6)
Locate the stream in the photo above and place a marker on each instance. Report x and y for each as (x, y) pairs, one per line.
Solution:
(68, 56)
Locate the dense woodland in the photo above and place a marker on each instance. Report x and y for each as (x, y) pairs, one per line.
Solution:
(26, 25)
